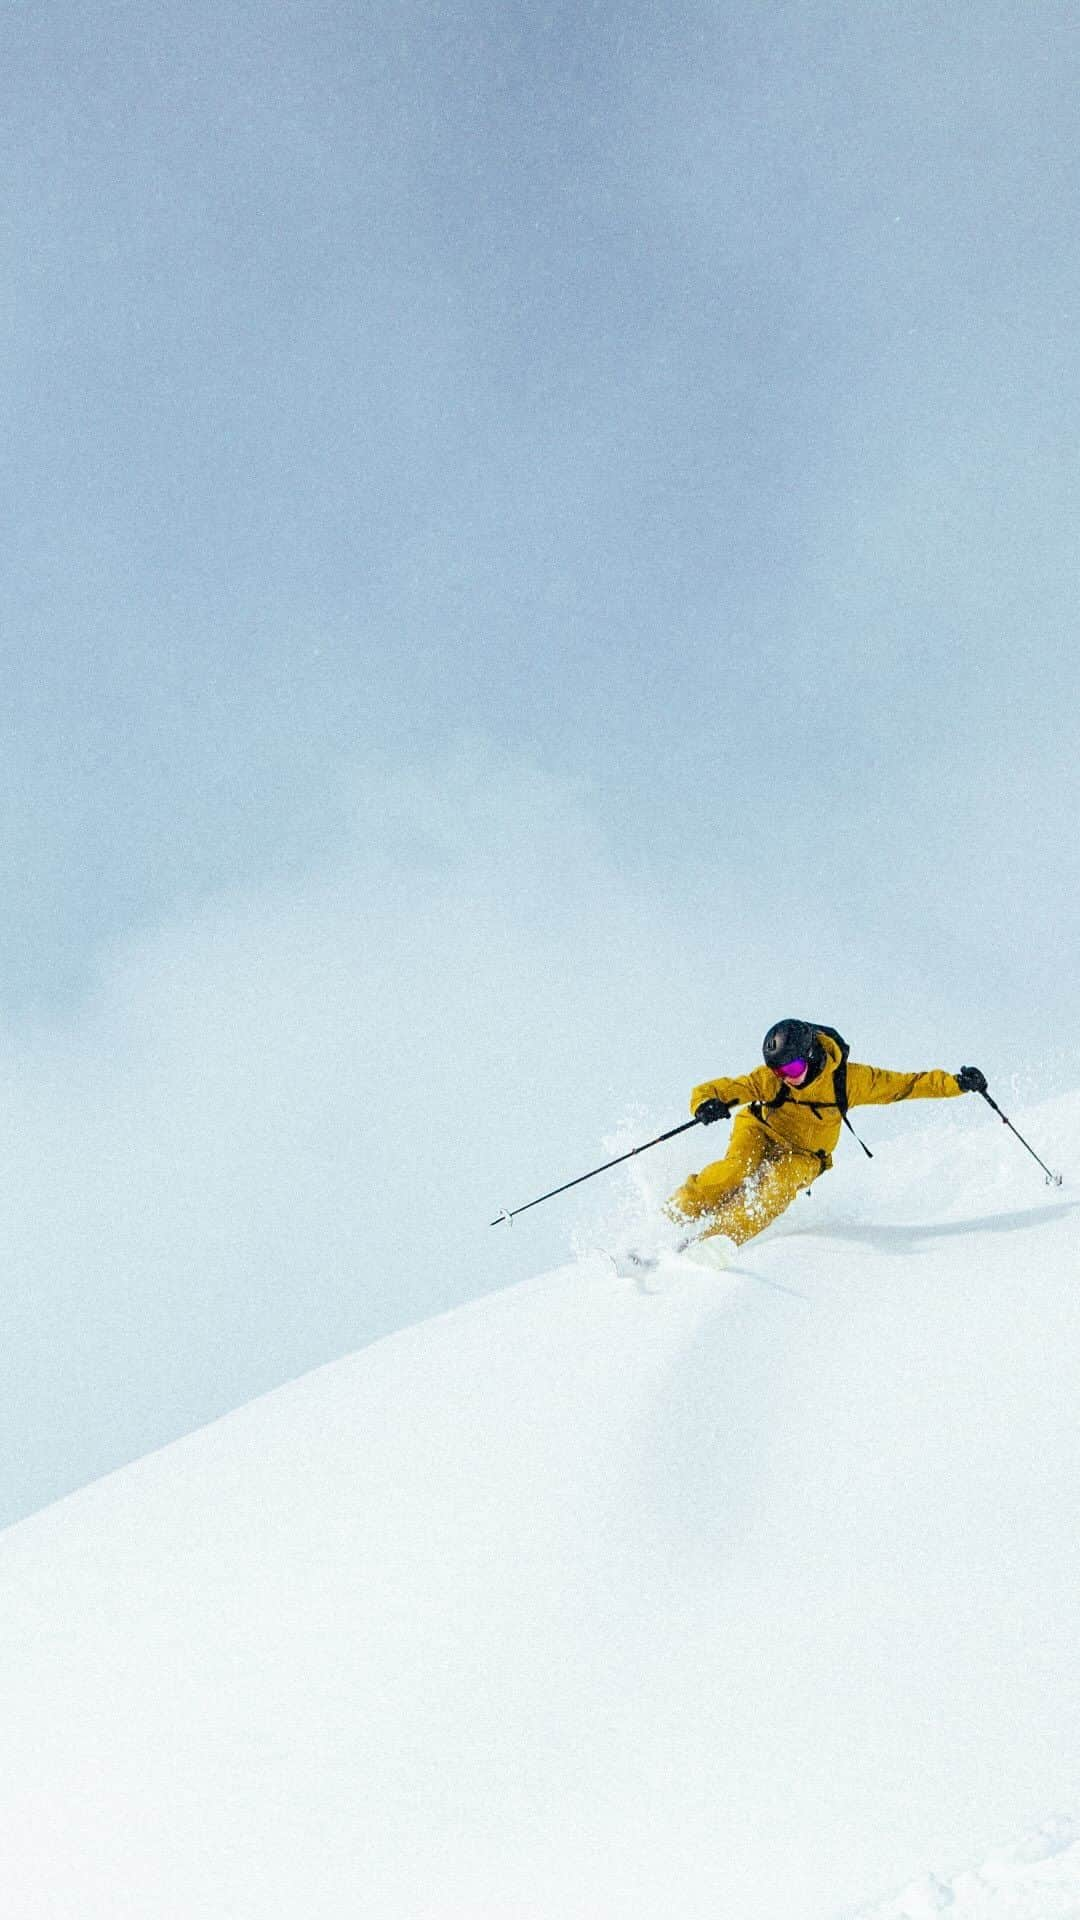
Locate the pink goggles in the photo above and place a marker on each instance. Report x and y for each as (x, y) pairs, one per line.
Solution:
(792, 1069)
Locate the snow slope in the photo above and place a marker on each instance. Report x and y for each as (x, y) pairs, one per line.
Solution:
(755, 1598)
(1036, 1879)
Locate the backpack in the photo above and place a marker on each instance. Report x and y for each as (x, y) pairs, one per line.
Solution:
(840, 1083)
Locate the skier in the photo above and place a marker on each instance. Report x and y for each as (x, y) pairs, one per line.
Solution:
(793, 1109)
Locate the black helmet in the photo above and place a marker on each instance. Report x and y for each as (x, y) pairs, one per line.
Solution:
(789, 1040)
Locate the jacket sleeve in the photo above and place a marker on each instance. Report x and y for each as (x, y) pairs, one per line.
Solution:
(877, 1087)
(759, 1085)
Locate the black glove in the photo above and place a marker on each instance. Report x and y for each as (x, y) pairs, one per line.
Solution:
(971, 1080)
(711, 1110)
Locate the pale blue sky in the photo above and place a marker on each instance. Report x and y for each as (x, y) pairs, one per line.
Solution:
(536, 539)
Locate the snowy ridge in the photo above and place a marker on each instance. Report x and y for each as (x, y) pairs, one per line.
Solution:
(585, 1604)
(1037, 1879)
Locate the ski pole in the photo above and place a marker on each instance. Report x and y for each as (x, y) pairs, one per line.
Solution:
(1052, 1179)
(510, 1215)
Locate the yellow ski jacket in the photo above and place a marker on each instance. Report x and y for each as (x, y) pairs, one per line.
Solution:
(807, 1120)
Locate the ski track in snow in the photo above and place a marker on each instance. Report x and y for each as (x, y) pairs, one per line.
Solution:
(580, 1603)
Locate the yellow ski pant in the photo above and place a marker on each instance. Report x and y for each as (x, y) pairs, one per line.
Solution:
(753, 1184)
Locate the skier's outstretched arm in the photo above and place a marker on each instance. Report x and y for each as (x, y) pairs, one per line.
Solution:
(878, 1087)
(758, 1085)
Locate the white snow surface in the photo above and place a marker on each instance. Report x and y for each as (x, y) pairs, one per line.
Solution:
(755, 1598)
(1036, 1879)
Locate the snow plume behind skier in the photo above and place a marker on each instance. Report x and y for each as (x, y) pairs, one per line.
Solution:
(792, 1110)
